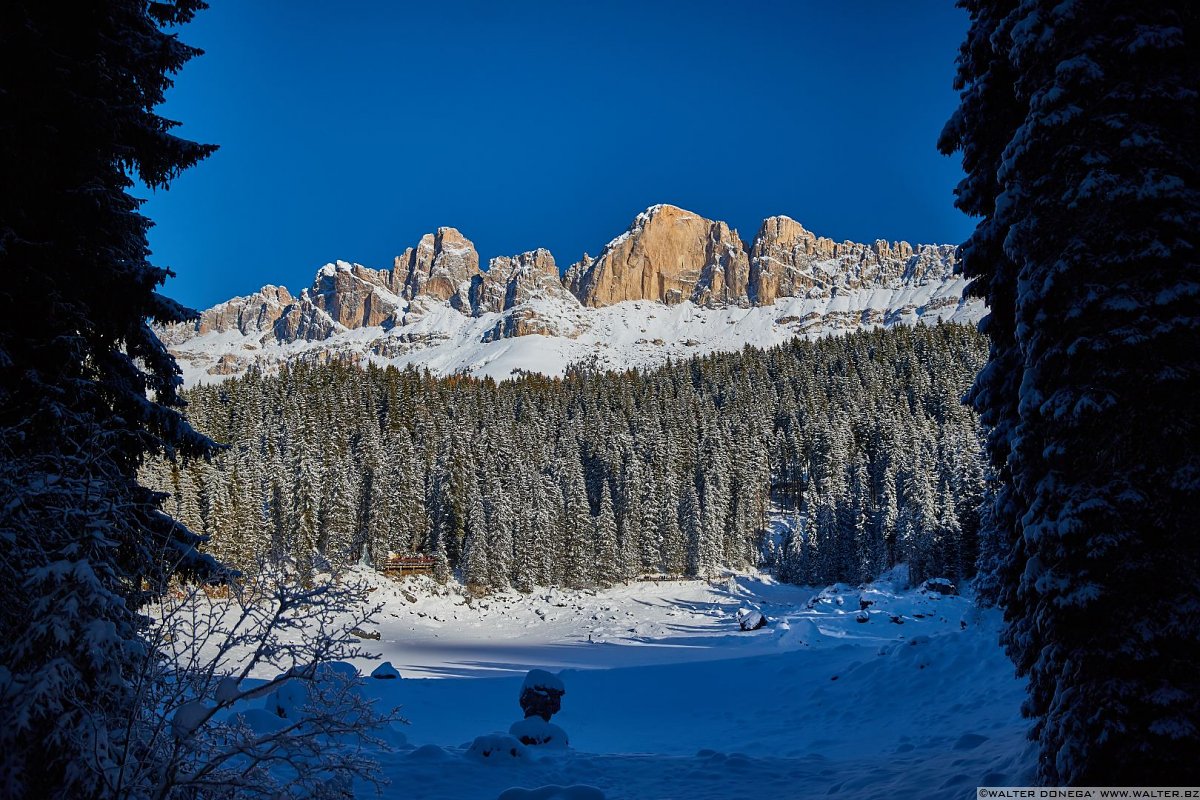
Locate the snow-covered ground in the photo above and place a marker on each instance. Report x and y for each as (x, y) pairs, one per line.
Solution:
(667, 698)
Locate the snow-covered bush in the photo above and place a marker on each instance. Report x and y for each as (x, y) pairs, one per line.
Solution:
(304, 733)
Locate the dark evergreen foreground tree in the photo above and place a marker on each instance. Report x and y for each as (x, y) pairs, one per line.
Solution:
(1079, 132)
(86, 388)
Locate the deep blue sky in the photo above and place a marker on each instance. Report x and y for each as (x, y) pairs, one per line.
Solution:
(349, 129)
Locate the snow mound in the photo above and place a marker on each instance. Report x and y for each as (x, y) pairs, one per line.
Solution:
(542, 680)
(497, 747)
(288, 700)
(227, 689)
(188, 717)
(385, 671)
(259, 720)
(537, 732)
(430, 752)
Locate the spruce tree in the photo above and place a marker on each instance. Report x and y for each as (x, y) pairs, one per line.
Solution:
(608, 564)
(87, 390)
(1079, 130)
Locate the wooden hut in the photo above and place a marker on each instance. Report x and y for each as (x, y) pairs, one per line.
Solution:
(402, 565)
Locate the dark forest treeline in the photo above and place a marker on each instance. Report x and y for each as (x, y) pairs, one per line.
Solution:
(601, 477)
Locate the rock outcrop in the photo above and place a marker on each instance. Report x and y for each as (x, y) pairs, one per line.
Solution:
(253, 314)
(441, 267)
(515, 287)
(668, 255)
(786, 260)
(355, 296)
(512, 281)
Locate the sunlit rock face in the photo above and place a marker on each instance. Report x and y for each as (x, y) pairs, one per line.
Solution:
(667, 255)
(672, 285)
(787, 260)
(441, 267)
(354, 296)
(249, 315)
(512, 281)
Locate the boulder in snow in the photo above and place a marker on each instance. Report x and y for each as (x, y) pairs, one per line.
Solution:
(364, 634)
(939, 586)
(537, 732)
(385, 672)
(750, 620)
(541, 694)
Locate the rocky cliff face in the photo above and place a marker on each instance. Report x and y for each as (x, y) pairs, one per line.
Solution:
(786, 260)
(514, 286)
(511, 281)
(791, 279)
(668, 255)
(441, 267)
(354, 296)
(253, 314)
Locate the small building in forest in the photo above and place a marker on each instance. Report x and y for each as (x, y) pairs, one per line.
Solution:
(400, 565)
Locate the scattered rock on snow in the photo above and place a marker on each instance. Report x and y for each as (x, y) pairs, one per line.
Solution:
(361, 634)
(541, 694)
(862, 616)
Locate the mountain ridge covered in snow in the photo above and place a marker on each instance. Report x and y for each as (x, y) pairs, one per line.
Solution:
(673, 285)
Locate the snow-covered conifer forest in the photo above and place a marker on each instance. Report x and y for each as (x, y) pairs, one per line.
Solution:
(832, 460)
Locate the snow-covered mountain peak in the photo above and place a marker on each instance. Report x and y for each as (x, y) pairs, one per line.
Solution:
(672, 285)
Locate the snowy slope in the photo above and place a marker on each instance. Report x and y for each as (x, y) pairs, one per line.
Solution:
(629, 334)
(667, 698)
